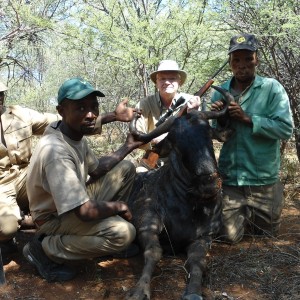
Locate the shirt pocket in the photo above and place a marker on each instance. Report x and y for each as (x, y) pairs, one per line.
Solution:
(267, 164)
(22, 140)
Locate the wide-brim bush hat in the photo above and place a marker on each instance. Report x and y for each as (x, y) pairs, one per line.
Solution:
(3, 87)
(168, 65)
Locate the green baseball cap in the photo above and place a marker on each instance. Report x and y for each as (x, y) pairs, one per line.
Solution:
(76, 89)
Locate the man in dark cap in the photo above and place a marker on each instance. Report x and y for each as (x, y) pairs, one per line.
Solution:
(76, 199)
(250, 160)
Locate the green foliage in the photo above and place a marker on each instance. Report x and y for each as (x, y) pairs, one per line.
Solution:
(116, 44)
(276, 24)
(135, 36)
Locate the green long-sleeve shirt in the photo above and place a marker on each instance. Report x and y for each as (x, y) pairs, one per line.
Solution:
(252, 155)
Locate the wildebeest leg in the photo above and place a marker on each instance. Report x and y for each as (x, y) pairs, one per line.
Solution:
(196, 265)
(152, 255)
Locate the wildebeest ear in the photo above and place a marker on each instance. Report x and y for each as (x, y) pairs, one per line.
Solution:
(163, 148)
(222, 135)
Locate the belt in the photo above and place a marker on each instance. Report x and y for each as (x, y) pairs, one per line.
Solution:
(39, 223)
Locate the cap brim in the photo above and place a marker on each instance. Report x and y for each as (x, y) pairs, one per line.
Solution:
(83, 93)
(183, 75)
(242, 47)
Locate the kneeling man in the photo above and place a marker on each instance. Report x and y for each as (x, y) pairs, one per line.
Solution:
(76, 199)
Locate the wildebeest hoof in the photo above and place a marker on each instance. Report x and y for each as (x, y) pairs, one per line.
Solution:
(192, 297)
(137, 294)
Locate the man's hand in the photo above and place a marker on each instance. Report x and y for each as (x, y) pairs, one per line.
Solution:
(218, 105)
(193, 103)
(235, 111)
(92, 210)
(124, 113)
(132, 142)
(123, 210)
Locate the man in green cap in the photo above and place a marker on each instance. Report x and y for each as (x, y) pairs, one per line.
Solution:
(76, 199)
(17, 126)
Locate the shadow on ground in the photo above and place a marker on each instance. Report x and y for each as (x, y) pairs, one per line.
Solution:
(258, 268)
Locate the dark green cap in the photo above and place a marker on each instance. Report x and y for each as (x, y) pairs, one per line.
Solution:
(76, 89)
(243, 41)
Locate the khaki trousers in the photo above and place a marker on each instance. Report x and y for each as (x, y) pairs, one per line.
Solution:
(13, 197)
(69, 238)
(255, 208)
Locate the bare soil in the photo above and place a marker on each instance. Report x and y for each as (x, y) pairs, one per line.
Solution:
(258, 268)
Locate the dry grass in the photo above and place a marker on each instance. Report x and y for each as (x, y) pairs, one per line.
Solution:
(262, 267)
(259, 268)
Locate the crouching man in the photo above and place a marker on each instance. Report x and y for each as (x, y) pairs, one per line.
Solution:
(75, 219)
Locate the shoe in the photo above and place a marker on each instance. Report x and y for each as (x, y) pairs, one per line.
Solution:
(131, 251)
(8, 247)
(48, 269)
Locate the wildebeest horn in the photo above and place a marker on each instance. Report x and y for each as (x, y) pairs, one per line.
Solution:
(227, 99)
(147, 137)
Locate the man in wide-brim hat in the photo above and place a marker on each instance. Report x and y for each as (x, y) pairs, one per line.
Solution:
(168, 78)
(169, 66)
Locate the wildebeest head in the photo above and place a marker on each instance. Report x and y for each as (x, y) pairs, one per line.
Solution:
(191, 155)
(189, 147)
(190, 139)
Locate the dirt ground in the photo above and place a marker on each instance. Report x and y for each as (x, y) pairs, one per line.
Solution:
(258, 268)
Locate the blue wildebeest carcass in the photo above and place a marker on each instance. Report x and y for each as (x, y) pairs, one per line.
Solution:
(180, 203)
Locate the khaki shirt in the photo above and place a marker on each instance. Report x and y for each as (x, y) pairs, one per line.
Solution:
(19, 125)
(57, 174)
(153, 110)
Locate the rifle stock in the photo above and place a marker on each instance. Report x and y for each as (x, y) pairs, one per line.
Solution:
(149, 160)
(204, 88)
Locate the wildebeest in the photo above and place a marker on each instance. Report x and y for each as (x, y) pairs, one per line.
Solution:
(179, 204)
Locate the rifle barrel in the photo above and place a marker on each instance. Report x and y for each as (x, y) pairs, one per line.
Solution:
(200, 93)
(219, 70)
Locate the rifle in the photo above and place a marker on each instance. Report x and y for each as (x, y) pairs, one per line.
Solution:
(150, 158)
(170, 111)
